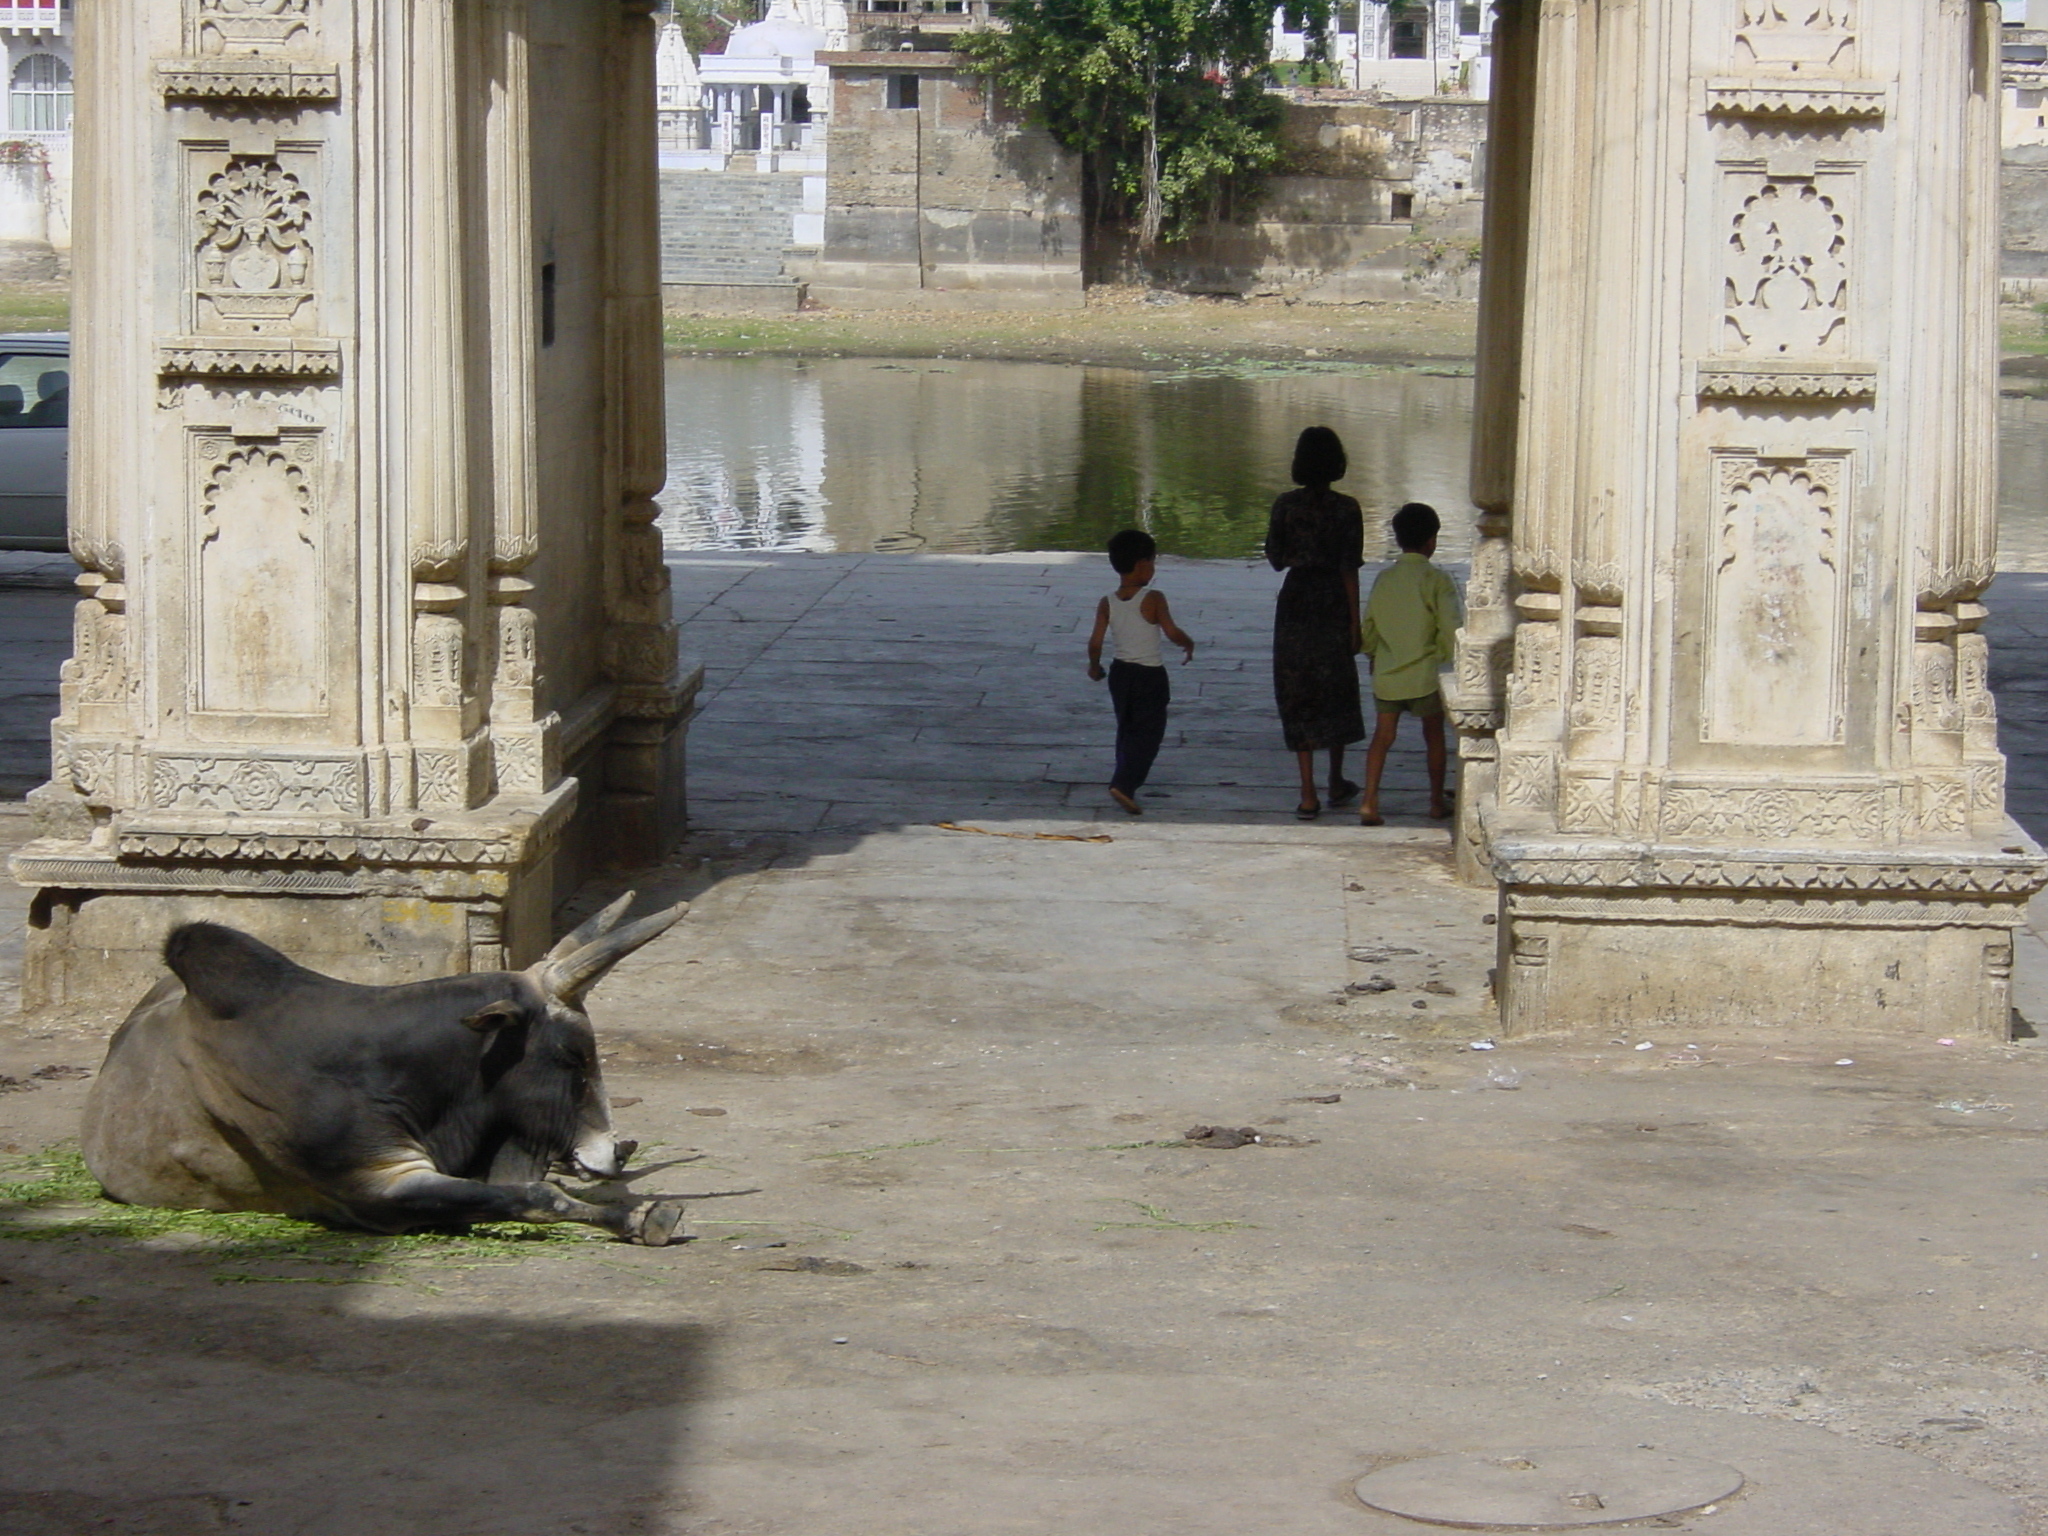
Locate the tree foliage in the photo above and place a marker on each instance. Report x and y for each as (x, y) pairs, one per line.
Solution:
(706, 24)
(1166, 99)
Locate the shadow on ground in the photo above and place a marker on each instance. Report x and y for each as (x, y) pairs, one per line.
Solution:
(148, 1397)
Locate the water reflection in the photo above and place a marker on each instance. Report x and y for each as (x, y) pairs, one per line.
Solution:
(977, 457)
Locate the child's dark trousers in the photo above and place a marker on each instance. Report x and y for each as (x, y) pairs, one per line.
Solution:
(1140, 695)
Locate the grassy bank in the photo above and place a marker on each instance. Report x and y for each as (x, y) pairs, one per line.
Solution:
(35, 307)
(1126, 328)
(1120, 327)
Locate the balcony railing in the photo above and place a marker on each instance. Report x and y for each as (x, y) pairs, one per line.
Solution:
(913, 11)
(738, 133)
(48, 16)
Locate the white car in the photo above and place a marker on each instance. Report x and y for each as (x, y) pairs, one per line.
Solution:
(35, 438)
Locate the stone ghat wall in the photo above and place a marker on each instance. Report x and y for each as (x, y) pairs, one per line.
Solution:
(1375, 201)
(729, 228)
(934, 195)
(2024, 265)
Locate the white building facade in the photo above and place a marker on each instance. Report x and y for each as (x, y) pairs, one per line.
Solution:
(35, 149)
(1403, 48)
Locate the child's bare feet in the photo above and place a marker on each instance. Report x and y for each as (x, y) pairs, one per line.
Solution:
(1125, 801)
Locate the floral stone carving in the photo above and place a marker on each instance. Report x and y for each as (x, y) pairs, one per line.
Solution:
(1788, 280)
(258, 27)
(254, 254)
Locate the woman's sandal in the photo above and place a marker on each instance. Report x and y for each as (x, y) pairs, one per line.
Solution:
(1307, 812)
(1368, 819)
(1343, 792)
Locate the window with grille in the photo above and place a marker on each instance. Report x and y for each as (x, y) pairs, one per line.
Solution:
(40, 99)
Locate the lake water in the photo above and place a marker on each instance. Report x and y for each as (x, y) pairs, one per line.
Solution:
(856, 454)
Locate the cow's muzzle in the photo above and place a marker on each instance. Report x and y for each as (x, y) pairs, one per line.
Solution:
(621, 1152)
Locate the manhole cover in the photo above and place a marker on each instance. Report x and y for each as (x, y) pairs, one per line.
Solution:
(1547, 1490)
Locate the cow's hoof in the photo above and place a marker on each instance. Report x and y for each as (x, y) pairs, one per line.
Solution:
(658, 1223)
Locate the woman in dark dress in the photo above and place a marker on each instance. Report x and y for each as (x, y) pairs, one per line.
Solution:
(1317, 536)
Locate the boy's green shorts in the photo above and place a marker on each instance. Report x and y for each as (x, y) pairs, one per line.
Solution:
(1429, 707)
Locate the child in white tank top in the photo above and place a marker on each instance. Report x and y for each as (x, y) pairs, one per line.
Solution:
(1137, 677)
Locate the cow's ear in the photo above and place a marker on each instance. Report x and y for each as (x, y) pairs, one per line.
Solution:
(498, 1015)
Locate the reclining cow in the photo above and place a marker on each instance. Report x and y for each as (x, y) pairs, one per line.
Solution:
(245, 1082)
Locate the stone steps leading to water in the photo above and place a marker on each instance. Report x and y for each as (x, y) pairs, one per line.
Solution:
(729, 227)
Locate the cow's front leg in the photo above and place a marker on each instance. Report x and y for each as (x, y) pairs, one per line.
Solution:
(409, 1199)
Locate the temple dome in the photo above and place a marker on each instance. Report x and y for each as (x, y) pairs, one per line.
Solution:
(783, 35)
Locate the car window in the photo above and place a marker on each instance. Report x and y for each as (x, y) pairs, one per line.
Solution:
(35, 390)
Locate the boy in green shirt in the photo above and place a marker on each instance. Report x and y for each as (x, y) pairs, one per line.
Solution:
(1410, 630)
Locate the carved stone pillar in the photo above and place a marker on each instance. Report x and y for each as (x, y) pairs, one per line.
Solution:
(1477, 695)
(356, 538)
(1374, 21)
(1443, 31)
(1749, 771)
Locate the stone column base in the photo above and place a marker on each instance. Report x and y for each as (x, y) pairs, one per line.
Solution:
(364, 900)
(1603, 935)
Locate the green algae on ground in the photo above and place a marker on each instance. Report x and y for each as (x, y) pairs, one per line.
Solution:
(51, 1196)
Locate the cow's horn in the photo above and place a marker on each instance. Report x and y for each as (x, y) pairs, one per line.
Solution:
(592, 929)
(569, 979)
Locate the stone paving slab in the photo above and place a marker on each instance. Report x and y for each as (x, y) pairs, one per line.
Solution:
(946, 1073)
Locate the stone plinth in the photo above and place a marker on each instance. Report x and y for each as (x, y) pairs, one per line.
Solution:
(374, 655)
(1731, 750)
(1706, 936)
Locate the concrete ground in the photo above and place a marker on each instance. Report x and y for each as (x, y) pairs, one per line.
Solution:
(956, 1270)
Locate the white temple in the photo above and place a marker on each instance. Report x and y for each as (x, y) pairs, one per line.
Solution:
(764, 96)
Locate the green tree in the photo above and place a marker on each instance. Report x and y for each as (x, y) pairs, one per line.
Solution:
(1167, 100)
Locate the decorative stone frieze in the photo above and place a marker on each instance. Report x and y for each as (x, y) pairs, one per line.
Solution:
(1808, 101)
(1748, 770)
(1673, 866)
(257, 357)
(333, 701)
(248, 80)
(1774, 381)
(257, 785)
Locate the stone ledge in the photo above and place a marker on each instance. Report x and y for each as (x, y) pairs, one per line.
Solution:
(1786, 381)
(249, 357)
(250, 853)
(250, 79)
(1806, 99)
(1975, 870)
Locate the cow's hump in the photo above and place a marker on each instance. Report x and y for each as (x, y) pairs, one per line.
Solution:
(229, 973)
